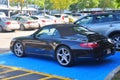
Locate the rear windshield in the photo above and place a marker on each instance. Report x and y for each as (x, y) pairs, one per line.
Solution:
(69, 31)
(6, 18)
(27, 18)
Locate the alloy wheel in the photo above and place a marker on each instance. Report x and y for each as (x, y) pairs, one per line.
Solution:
(116, 40)
(22, 27)
(64, 56)
(18, 49)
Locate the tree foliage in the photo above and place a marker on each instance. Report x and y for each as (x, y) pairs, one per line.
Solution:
(61, 5)
(107, 4)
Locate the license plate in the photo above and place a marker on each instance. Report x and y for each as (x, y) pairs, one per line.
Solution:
(108, 51)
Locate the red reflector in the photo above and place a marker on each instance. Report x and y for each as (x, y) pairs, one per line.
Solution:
(8, 23)
(29, 22)
(89, 45)
(43, 20)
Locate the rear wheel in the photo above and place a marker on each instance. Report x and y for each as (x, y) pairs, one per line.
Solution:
(18, 49)
(1, 29)
(116, 40)
(22, 27)
(64, 56)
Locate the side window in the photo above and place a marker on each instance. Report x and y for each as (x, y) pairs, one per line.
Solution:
(47, 33)
(117, 17)
(104, 18)
(85, 20)
(34, 17)
(21, 20)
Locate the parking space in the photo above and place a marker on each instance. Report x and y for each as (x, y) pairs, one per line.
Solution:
(13, 73)
(85, 69)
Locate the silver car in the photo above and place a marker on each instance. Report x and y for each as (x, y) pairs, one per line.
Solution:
(7, 24)
(26, 22)
(107, 24)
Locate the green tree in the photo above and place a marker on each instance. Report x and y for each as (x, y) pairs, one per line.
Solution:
(107, 4)
(61, 5)
(118, 3)
(82, 4)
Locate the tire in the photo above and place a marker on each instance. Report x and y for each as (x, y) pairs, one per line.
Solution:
(116, 40)
(18, 49)
(12, 30)
(64, 56)
(22, 27)
(1, 29)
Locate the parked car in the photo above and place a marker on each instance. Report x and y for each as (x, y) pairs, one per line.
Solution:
(8, 24)
(26, 22)
(2, 14)
(44, 20)
(64, 42)
(107, 24)
(62, 18)
(74, 16)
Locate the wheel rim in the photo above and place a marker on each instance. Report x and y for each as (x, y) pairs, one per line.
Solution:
(18, 49)
(116, 40)
(0, 29)
(63, 56)
(22, 27)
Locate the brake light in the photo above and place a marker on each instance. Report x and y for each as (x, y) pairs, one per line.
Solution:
(43, 21)
(89, 45)
(55, 21)
(8, 23)
(29, 22)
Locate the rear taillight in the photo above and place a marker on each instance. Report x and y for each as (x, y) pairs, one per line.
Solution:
(29, 22)
(43, 20)
(55, 21)
(8, 23)
(89, 45)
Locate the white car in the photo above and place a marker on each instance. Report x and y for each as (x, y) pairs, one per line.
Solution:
(7, 24)
(44, 20)
(63, 18)
(26, 22)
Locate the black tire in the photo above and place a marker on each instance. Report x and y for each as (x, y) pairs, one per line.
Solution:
(18, 49)
(64, 56)
(22, 27)
(116, 40)
(12, 30)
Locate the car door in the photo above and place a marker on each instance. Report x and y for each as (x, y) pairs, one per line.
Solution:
(41, 42)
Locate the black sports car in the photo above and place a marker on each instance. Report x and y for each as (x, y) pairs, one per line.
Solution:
(64, 42)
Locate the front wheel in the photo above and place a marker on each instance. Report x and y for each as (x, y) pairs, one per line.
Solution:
(64, 56)
(18, 49)
(116, 40)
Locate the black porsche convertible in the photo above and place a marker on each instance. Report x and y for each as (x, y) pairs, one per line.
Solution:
(64, 42)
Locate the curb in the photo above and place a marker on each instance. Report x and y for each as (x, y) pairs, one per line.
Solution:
(112, 74)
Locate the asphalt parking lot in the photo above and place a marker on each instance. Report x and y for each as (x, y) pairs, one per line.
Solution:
(85, 69)
(6, 37)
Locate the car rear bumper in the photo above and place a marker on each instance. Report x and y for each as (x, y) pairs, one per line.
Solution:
(9, 28)
(95, 53)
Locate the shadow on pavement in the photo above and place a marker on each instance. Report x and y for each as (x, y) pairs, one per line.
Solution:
(3, 50)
